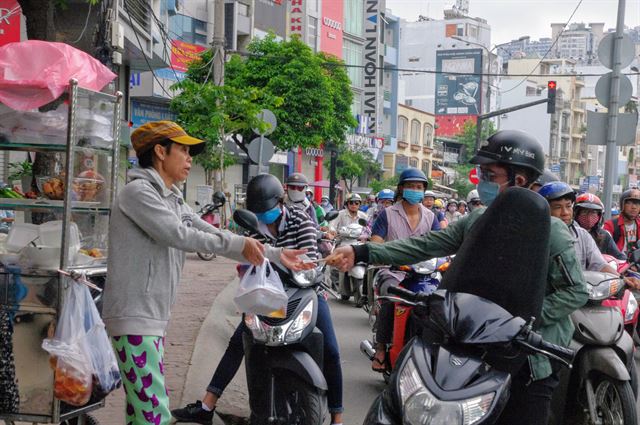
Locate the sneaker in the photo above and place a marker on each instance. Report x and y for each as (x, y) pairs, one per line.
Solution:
(193, 413)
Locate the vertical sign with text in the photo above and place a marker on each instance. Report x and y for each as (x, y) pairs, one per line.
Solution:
(296, 19)
(371, 84)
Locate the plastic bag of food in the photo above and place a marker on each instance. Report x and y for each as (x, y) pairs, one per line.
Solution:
(81, 353)
(261, 292)
(68, 349)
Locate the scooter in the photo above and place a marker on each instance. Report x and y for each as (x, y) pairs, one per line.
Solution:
(423, 278)
(351, 283)
(625, 299)
(602, 386)
(284, 357)
(211, 214)
(471, 335)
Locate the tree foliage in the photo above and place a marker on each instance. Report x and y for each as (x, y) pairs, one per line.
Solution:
(468, 139)
(354, 163)
(390, 183)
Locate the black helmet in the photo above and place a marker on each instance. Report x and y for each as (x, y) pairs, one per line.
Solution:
(219, 198)
(511, 147)
(264, 191)
(413, 175)
(629, 194)
(297, 179)
(547, 177)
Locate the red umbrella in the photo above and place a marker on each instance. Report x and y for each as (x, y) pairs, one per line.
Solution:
(34, 72)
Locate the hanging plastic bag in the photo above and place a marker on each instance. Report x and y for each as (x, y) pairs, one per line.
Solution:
(81, 354)
(261, 292)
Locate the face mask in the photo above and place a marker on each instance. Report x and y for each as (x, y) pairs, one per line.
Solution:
(488, 191)
(296, 195)
(452, 209)
(270, 216)
(412, 196)
(324, 203)
(587, 221)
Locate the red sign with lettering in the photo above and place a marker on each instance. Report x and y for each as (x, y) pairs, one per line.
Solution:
(10, 14)
(473, 176)
(452, 125)
(182, 54)
(330, 27)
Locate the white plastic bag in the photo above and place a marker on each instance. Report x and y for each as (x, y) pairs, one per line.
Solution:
(261, 292)
(81, 353)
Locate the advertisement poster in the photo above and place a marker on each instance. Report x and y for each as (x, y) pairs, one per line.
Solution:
(182, 54)
(458, 82)
(10, 14)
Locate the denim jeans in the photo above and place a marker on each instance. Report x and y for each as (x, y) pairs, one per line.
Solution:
(232, 358)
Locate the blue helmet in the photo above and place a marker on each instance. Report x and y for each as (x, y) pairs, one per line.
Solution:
(615, 211)
(386, 194)
(556, 190)
(413, 175)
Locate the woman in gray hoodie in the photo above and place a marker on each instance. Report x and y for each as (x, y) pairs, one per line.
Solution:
(151, 228)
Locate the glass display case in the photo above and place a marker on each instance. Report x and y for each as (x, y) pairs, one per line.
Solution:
(64, 227)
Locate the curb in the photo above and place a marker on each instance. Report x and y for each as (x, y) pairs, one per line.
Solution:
(209, 348)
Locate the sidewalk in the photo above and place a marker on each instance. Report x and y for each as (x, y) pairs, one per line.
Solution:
(202, 281)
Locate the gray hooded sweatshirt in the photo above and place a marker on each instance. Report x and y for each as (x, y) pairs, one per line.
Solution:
(150, 229)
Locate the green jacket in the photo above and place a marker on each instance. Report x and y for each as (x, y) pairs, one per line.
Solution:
(566, 286)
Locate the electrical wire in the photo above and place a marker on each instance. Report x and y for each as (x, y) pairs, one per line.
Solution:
(86, 21)
(547, 52)
(144, 55)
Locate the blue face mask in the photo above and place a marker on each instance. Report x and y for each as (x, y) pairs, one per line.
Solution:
(413, 196)
(488, 191)
(270, 216)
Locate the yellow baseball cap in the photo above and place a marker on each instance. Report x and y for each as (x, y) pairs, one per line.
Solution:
(150, 134)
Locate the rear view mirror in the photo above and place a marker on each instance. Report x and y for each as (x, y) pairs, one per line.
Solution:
(246, 219)
(362, 222)
(331, 215)
(197, 203)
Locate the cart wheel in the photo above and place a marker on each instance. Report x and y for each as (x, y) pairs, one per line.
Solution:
(88, 420)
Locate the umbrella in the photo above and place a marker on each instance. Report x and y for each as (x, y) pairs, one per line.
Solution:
(34, 72)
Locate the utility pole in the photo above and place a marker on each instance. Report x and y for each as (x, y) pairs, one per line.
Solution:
(611, 159)
(217, 64)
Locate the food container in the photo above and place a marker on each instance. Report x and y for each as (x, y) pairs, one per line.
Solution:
(84, 189)
(41, 257)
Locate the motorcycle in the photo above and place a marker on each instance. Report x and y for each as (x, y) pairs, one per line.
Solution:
(351, 283)
(470, 336)
(284, 357)
(211, 214)
(424, 278)
(602, 386)
(625, 299)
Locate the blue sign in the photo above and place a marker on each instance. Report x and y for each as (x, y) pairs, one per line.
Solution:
(144, 112)
(169, 74)
(555, 168)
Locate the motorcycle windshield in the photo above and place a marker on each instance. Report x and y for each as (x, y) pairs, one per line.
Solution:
(504, 256)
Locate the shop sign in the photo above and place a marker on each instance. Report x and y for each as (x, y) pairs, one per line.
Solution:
(296, 18)
(317, 152)
(371, 65)
(332, 23)
(182, 54)
(10, 17)
(142, 112)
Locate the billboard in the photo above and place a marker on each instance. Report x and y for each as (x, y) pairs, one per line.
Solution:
(458, 82)
(452, 125)
(184, 53)
(371, 74)
(269, 15)
(331, 27)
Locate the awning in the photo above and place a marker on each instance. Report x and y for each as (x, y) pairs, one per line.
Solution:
(445, 188)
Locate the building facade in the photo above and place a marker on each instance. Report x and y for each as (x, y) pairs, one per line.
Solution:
(416, 135)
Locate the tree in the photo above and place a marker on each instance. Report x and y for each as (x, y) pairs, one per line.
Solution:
(354, 163)
(205, 110)
(390, 183)
(315, 90)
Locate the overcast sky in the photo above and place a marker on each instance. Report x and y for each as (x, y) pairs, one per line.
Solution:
(511, 19)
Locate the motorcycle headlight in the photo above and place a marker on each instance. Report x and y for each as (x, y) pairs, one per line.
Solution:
(253, 323)
(305, 278)
(422, 408)
(425, 267)
(632, 307)
(355, 233)
(300, 323)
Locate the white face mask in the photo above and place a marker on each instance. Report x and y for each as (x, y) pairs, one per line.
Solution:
(296, 195)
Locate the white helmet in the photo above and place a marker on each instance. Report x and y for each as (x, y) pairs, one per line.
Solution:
(354, 197)
(473, 196)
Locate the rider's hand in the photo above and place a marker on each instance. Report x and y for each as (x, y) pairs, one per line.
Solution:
(328, 235)
(290, 258)
(632, 282)
(253, 251)
(342, 258)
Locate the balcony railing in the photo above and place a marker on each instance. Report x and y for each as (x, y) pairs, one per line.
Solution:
(415, 147)
(140, 12)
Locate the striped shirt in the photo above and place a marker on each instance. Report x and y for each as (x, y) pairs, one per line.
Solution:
(295, 231)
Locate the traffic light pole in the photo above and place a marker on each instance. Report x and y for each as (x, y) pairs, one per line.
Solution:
(488, 115)
(611, 158)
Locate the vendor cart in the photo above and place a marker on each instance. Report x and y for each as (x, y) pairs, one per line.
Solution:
(64, 228)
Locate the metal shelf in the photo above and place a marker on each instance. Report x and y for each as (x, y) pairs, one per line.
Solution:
(47, 204)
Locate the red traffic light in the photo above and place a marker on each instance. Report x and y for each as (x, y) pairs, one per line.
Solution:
(551, 85)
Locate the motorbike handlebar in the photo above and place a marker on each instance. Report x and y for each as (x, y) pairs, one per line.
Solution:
(561, 354)
(406, 294)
